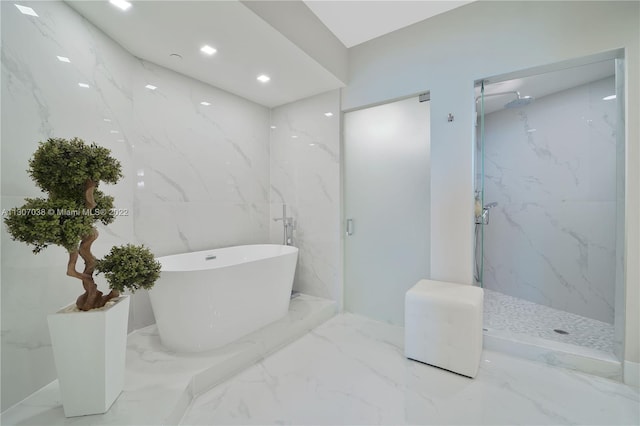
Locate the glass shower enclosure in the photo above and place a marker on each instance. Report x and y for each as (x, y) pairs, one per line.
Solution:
(549, 170)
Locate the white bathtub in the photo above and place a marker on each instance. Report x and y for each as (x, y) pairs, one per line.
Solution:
(206, 299)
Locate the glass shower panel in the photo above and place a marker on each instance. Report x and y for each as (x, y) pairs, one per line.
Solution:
(479, 190)
(387, 169)
(550, 166)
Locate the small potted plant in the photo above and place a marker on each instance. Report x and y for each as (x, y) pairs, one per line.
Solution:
(89, 347)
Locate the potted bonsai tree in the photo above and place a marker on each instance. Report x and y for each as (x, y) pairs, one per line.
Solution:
(69, 172)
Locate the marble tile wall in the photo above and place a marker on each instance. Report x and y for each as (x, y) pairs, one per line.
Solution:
(551, 167)
(41, 98)
(202, 171)
(196, 176)
(305, 175)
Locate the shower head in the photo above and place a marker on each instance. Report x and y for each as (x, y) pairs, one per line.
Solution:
(520, 102)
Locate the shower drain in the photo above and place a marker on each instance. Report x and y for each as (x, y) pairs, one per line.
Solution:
(559, 331)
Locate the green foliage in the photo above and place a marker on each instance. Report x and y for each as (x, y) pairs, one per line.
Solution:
(104, 207)
(129, 267)
(41, 222)
(65, 169)
(61, 167)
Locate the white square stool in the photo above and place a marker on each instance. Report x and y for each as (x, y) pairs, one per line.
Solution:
(443, 325)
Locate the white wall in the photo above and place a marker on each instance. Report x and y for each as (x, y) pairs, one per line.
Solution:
(205, 169)
(305, 175)
(551, 167)
(447, 53)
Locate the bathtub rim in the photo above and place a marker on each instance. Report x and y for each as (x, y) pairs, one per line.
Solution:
(189, 257)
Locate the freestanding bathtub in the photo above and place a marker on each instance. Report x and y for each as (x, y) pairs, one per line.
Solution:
(206, 299)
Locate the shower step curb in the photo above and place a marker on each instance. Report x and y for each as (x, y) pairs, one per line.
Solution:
(573, 357)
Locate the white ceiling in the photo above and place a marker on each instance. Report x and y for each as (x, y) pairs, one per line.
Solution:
(355, 22)
(247, 45)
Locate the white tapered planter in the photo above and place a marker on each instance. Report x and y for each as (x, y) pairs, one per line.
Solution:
(89, 350)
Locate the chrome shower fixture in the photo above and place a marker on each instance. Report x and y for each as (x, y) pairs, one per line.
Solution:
(518, 102)
(521, 101)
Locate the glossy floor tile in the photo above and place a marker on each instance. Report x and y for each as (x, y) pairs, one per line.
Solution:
(352, 371)
(160, 384)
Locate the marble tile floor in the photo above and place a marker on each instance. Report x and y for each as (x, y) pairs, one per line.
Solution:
(352, 371)
(160, 384)
(514, 315)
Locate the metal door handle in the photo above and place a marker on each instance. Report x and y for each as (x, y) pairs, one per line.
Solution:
(349, 226)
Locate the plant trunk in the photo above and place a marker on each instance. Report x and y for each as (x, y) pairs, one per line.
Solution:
(92, 297)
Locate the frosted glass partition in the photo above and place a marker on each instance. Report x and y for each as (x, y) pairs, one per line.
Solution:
(387, 168)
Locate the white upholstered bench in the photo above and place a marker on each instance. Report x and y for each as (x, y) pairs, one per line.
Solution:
(443, 325)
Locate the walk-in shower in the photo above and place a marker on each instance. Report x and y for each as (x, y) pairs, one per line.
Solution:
(548, 203)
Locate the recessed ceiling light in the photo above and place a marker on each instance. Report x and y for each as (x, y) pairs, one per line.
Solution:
(205, 103)
(122, 4)
(273, 127)
(312, 144)
(208, 49)
(328, 114)
(108, 120)
(26, 10)
(85, 85)
(608, 98)
(263, 78)
(63, 59)
(151, 87)
(294, 136)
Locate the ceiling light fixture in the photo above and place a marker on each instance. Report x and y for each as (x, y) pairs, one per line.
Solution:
(328, 114)
(63, 59)
(85, 85)
(151, 87)
(208, 49)
(205, 103)
(26, 10)
(273, 127)
(122, 4)
(263, 78)
(608, 98)
(294, 136)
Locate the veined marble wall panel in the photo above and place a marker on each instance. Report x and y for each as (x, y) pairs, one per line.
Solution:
(305, 175)
(41, 98)
(202, 171)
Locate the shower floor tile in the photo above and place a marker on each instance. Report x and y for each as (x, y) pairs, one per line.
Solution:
(515, 315)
